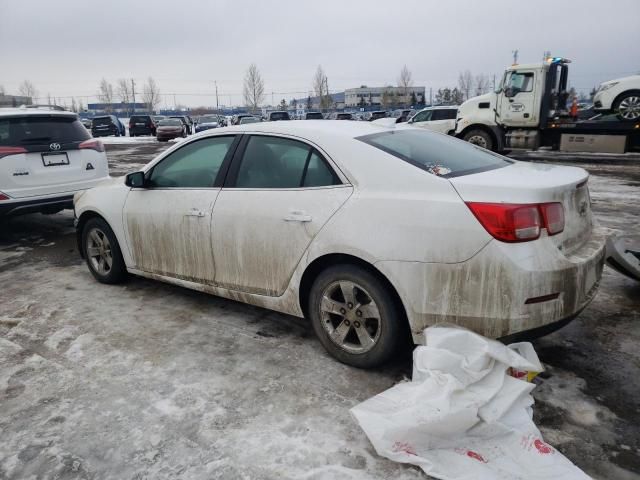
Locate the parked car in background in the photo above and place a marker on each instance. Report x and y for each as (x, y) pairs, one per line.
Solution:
(141, 125)
(107, 125)
(86, 122)
(207, 122)
(188, 123)
(401, 116)
(344, 116)
(313, 116)
(314, 191)
(439, 119)
(170, 128)
(376, 115)
(157, 118)
(620, 96)
(45, 157)
(245, 120)
(235, 119)
(275, 116)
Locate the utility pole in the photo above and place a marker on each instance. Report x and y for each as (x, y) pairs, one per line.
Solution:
(494, 82)
(515, 56)
(133, 94)
(217, 103)
(430, 96)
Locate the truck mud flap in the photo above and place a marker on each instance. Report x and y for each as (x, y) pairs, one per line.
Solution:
(623, 255)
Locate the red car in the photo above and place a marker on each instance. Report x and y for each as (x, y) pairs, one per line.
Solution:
(170, 128)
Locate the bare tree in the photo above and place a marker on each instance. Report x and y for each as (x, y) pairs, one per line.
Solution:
(151, 94)
(321, 88)
(105, 94)
(405, 82)
(253, 88)
(26, 89)
(465, 83)
(483, 84)
(123, 89)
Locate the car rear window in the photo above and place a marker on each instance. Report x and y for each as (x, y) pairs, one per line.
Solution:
(140, 119)
(102, 121)
(279, 116)
(437, 154)
(37, 130)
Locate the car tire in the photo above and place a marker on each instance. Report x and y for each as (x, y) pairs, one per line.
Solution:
(627, 106)
(480, 138)
(100, 245)
(343, 327)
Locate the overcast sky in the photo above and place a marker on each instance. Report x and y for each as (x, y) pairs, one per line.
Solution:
(65, 47)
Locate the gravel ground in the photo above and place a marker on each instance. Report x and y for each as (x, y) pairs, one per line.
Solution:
(147, 380)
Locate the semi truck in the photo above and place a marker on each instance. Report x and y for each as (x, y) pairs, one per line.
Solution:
(528, 110)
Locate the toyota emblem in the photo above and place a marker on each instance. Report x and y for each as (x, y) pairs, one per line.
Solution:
(54, 146)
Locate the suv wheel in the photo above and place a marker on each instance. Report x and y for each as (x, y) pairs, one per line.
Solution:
(102, 252)
(627, 107)
(355, 316)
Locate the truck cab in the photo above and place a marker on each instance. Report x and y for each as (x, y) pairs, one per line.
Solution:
(527, 96)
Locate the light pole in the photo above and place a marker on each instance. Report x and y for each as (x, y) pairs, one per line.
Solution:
(217, 103)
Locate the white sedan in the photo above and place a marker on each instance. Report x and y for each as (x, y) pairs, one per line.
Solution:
(372, 232)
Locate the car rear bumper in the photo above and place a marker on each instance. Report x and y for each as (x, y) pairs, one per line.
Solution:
(504, 290)
(50, 204)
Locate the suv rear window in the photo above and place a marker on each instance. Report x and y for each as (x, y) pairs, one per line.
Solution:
(279, 116)
(140, 119)
(437, 154)
(39, 130)
(102, 121)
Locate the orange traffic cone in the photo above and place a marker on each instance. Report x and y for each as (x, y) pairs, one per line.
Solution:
(574, 108)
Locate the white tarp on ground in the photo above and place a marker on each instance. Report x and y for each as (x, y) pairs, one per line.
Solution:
(464, 415)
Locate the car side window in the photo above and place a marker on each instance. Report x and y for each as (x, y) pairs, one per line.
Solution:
(196, 165)
(438, 115)
(422, 116)
(274, 162)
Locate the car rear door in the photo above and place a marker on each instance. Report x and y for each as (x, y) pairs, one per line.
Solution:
(48, 155)
(168, 223)
(279, 193)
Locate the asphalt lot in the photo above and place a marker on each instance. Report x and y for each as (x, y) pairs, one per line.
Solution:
(150, 381)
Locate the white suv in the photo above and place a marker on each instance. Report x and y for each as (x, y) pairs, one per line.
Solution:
(45, 157)
(621, 96)
(438, 119)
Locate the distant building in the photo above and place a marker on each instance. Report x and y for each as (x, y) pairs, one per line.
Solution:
(14, 100)
(365, 96)
(116, 108)
(337, 102)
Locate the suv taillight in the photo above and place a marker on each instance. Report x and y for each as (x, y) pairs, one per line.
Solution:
(6, 151)
(3, 196)
(512, 223)
(92, 144)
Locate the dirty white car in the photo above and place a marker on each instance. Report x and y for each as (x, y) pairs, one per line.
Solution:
(621, 96)
(369, 231)
(438, 119)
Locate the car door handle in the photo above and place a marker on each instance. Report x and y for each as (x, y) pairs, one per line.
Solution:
(194, 212)
(296, 216)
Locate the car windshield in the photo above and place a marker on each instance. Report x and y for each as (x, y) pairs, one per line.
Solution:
(31, 130)
(208, 119)
(437, 154)
(170, 123)
(248, 120)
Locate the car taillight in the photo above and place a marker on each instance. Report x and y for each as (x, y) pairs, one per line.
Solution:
(3, 196)
(92, 144)
(512, 223)
(553, 214)
(6, 151)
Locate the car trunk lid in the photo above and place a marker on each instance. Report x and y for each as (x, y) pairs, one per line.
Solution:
(527, 183)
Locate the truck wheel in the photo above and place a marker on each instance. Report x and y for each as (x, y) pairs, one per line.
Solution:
(627, 107)
(479, 138)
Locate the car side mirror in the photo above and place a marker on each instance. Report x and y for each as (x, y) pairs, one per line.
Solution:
(135, 180)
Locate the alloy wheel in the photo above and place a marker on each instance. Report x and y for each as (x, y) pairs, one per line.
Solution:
(99, 251)
(350, 316)
(629, 108)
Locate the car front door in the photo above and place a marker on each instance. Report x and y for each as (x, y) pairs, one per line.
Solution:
(443, 120)
(422, 119)
(278, 195)
(168, 222)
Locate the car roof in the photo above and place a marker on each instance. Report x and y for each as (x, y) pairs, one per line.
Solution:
(30, 112)
(440, 107)
(311, 129)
